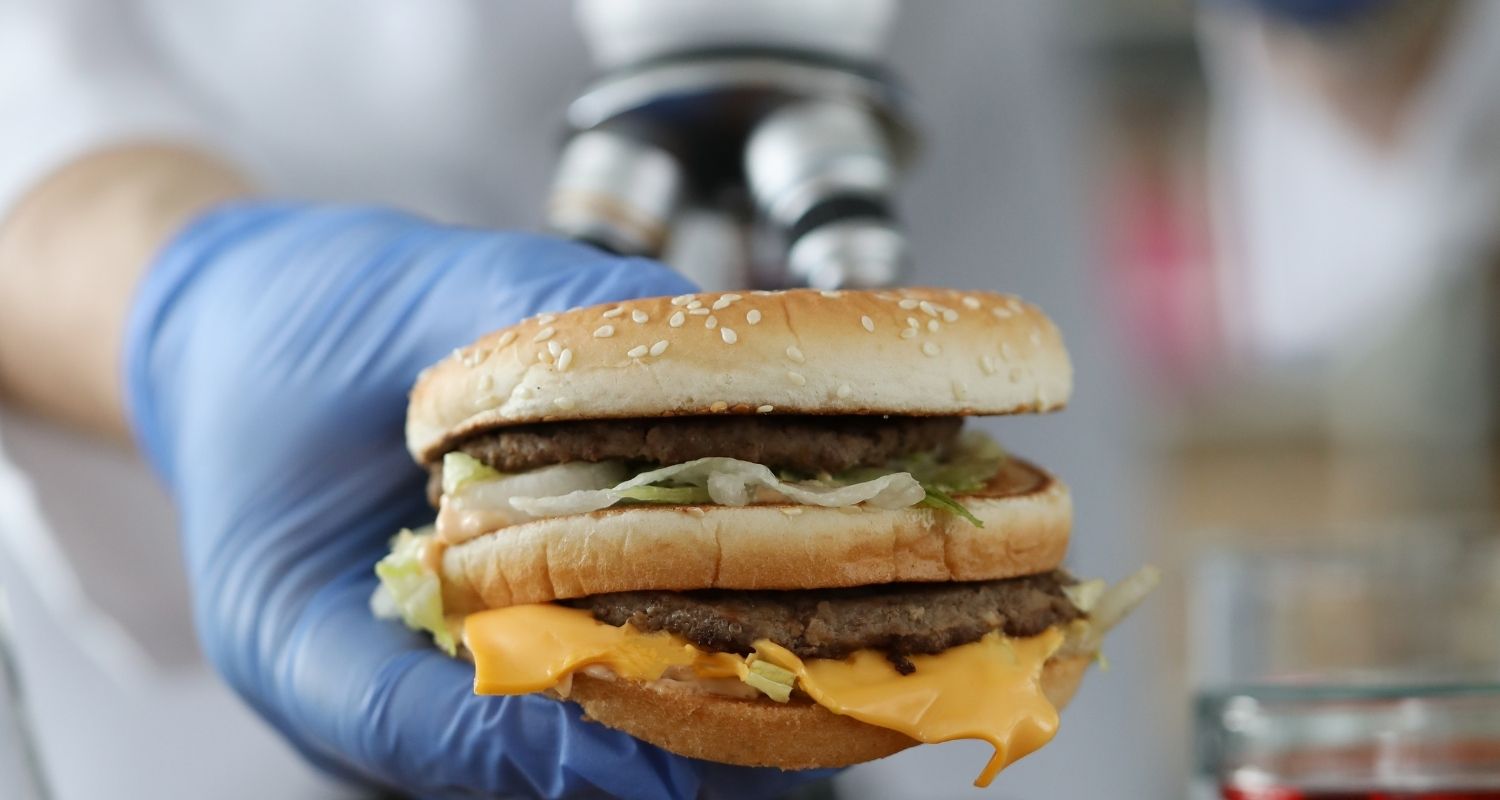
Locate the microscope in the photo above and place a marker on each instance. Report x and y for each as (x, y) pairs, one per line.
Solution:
(756, 144)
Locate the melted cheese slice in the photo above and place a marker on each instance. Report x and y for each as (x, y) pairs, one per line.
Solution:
(989, 690)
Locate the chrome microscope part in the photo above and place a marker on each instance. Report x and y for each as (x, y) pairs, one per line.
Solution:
(790, 131)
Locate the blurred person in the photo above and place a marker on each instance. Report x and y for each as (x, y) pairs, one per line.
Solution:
(1356, 152)
(258, 352)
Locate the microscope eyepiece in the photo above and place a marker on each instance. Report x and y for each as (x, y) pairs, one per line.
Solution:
(616, 192)
(823, 173)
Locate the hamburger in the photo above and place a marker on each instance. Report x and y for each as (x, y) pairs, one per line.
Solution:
(753, 528)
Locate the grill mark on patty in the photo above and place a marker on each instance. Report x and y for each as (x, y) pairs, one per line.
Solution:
(901, 620)
(806, 444)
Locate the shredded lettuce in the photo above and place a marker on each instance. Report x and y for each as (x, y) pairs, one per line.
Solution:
(577, 488)
(407, 590)
(1112, 605)
(732, 482)
(974, 461)
(1085, 596)
(940, 500)
(676, 495)
(773, 681)
(971, 465)
(461, 468)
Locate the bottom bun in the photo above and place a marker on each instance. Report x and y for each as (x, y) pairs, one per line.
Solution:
(762, 733)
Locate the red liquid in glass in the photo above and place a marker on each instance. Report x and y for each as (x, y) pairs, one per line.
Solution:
(1275, 793)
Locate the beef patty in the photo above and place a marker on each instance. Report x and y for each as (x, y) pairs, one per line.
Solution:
(900, 619)
(807, 444)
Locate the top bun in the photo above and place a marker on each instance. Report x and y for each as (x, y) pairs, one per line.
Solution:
(926, 352)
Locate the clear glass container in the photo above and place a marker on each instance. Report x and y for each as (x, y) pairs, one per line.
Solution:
(1348, 741)
(1349, 665)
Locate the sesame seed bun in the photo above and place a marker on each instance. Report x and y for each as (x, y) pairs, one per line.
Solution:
(680, 548)
(906, 351)
(762, 732)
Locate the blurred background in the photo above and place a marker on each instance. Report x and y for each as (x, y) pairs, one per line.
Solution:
(1268, 229)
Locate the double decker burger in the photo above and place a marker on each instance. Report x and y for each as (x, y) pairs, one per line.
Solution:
(752, 527)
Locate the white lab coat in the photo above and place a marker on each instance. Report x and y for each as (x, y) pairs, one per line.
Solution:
(1326, 235)
(454, 109)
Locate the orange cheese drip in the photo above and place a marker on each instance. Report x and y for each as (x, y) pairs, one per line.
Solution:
(989, 690)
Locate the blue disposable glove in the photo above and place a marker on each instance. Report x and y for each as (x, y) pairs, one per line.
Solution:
(268, 357)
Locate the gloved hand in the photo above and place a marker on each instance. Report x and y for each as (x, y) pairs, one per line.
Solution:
(268, 357)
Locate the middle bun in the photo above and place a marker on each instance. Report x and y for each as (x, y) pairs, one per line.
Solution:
(682, 548)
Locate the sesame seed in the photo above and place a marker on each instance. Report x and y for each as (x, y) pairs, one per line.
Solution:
(868, 323)
(1002, 313)
(987, 364)
(908, 333)
(544, 356)
(506, 338)
(1006, 351)
(794, 353)
(844, 391)
(791, 511)
(931, 348)
(698, 312)
(796, 377)
(565, 360)
(718, 405)
(885, 295)
(722, 303)
(659, 348)
(640, 317)
(677, 319)
(932, 325)
(960, 391)
(731, 297)
(695, 304)
(762, 293)
(1014, 303)
(911, 322)
(908, 303)
(485, 382)
(604, 331)
(711, 323)
(563, 403)
(829, 293)
(928, 308)
(639, 351)
(728, 335)
(554, 348)
(971, 303)
(753, 316)
(546, 319)
(614, 312)
(681, 298)
(544, 334)
(949, 315)
(1036, 336)
(764, 409)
